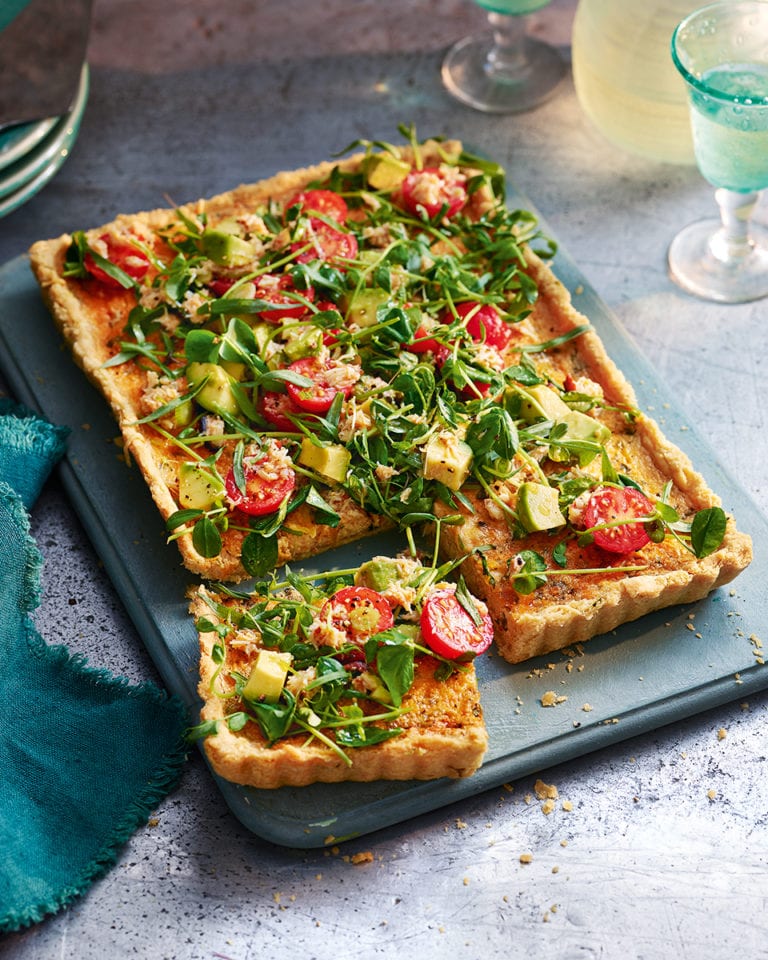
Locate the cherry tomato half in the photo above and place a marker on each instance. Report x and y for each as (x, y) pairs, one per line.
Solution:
(324, 202)
(327, 243)
(449, 630)
(267, 483)
(359, 612)
(275, 407)
(122, 254)
(430, 190)
(279, 289)
(485, 324)
(622, 504)
(423, 343)
(220, 285)
(319, 397)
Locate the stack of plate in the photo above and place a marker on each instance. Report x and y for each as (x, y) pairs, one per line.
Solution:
(31, 153)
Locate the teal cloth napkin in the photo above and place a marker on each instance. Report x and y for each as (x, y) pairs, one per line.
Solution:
(85, 757)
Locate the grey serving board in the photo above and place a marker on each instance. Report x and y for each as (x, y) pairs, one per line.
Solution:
(654, 671)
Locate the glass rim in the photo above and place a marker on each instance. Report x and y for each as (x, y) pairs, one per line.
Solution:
(695, 81)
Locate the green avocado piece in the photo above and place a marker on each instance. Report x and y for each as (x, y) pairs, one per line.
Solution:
(216, 395)
(329, 461)
(447, 459)
(361, 307)
(225, 248)
(267, 677)
(184, 414)
(542, 402)
(580, 426)
(385, 172)
(305, 344)
(199, 489)
(538, 508)
(378, 574)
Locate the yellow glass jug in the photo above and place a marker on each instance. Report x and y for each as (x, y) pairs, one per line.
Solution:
(624, 77)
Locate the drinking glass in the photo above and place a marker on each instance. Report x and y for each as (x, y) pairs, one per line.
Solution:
(504, 70)
(721, 51)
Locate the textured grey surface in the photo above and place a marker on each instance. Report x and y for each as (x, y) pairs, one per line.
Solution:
(663, 852)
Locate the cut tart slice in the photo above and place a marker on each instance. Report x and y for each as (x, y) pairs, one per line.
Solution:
(329, 678)
(599, 518)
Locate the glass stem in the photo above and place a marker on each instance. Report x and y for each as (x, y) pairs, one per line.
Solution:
(508, 55)
(732, 241)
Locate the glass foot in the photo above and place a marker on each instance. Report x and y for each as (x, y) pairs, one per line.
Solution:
(471, 75)
(695, 266)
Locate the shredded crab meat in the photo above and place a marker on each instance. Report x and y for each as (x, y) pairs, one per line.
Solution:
(159, 391)
(430, 188)
(269, 463)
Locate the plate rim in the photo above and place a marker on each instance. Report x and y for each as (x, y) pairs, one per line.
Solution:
(49, 155)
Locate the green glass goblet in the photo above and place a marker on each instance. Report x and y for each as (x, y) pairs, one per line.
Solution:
(503, 70)
(721, 51)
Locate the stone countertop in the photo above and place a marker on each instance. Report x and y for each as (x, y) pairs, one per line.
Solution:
(656, 846)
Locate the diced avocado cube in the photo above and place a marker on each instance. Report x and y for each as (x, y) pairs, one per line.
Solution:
(267, 677)
(216, 394)
(378, 574)
(235, 369)
(447, 459)
(330, 461)
(199, 488)
(538, 508)
(184, 414)
(385, 172)
(226, 249)
(304, 344)
(580, 426)
(362, 305)
(542, 402)
(373, 683)
(263, 333)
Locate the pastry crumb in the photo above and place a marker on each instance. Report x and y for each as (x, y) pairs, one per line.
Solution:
(365, 856)
(545, 791)
(551, 699)
(526, 858)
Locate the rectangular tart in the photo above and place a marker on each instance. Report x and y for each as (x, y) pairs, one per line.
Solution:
(378, 343)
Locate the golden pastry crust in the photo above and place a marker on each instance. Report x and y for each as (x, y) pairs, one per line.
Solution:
(443, 733)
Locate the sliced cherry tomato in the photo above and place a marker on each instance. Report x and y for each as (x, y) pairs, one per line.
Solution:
(618, 504)
(449, 630)
(327, 243)
(267, 483)
(359, 612)
(122, 254)
(275, 407)
(485, 324)
(430, 190)
(423, 343)
(319, 397)
(220, 286)
(325, 202)
(280, 290)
